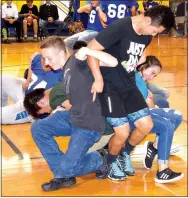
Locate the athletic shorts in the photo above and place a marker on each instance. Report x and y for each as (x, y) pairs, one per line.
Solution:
(117, 105)
(133, 117)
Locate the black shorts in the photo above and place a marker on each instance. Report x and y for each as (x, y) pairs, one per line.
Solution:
(117, 104)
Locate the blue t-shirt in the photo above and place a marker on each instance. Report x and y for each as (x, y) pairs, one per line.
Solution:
(94, 22)
(41, 78)
(141, 84)
(117, 9)
(149, 5)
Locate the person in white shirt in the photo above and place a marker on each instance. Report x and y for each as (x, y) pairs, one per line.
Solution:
(10, 17)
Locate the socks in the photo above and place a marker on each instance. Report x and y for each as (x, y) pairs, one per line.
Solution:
(127, 148)
(111, 158)
(4, 33)
(35, 36)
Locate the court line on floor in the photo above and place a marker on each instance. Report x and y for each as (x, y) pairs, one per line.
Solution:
(13, 146)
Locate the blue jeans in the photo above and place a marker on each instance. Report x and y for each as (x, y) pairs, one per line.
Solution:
(165, 121)
(44, 26)
(158, 93)
(75, 161)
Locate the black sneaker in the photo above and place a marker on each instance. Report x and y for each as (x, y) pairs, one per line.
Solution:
(149, 154)
(19, 40)
(167, 176)
(58, 183)
(7, 41)
(102, 173)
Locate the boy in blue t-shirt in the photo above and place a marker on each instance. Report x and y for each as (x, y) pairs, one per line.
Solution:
(94, 25)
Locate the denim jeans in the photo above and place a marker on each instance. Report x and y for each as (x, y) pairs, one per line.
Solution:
(44, 26)
(86, 35)
(75, 161)
(158, 93)
(165, 121)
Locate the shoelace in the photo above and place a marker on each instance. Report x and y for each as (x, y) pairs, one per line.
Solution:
(122, 162)
(115, 168)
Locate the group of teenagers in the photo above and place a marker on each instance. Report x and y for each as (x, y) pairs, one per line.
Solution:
(101, 99)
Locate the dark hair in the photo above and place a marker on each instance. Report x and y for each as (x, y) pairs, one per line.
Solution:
(53, 41)
(29, 1)
(79, 44)
(26, 73)
(31, 99)
(150, 61)
(161, 15)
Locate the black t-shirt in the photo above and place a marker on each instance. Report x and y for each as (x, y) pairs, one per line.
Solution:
(121, 41)
(47, 11)
(25, 9)
(78, 80)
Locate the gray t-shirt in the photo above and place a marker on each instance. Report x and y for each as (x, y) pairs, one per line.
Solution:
(78, 80)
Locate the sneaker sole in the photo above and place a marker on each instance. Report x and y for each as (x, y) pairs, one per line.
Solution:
(129, 173)
(116, 179)
(170, 180)
(145, 153)
(67, 185)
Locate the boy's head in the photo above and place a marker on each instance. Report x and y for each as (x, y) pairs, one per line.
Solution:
(157, 19)
(79, 44)
(54, 52)
(29, 3)
(37, 102)
(9, 2)
(95, 3)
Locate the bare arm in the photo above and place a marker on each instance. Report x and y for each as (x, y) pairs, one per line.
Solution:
(133, 11)
(102, 15)
(150, 100)
(26, 83)
(93, 63)
(104, 58)
(86, 9)
(66, 104)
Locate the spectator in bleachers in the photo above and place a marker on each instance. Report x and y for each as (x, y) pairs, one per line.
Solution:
(10, 19)
(94, 26)
(30, 12)
(181, 9)
(48, 14)
(149, 4)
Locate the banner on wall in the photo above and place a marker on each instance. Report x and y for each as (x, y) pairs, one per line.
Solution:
(63, 8)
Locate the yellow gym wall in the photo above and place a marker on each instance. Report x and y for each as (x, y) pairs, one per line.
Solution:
(82, 3)
(20, 3)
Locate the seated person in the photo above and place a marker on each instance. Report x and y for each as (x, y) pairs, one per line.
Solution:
(94, 25)
(29, 12)
(10, 19)
(48, 14)
(149, 3)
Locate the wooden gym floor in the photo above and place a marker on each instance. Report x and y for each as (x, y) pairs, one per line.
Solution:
(24, 169)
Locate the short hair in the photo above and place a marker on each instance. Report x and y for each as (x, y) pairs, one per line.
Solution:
(53, 41)
(26, 73)
(150, 62)
(79, 44)
(161, 15)
(29, 1)
(31, 99)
